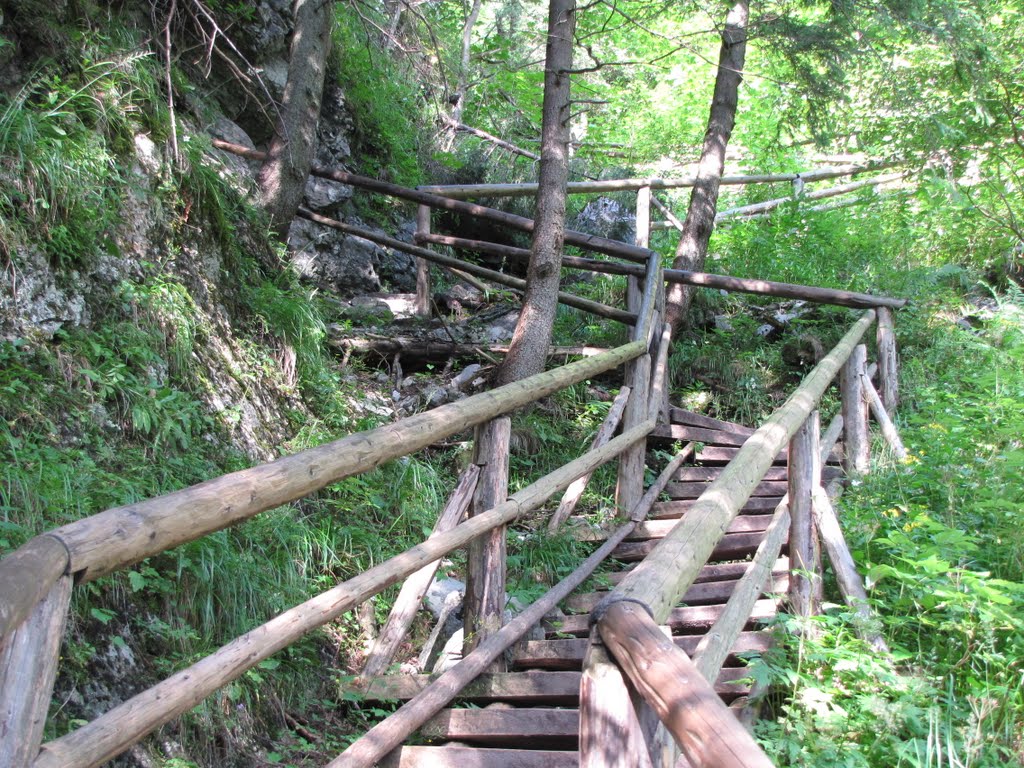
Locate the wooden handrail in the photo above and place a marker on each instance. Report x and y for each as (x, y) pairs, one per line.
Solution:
(578, 302)
(113, 539)
(26, 576)
(112, 733)
(463, 191)
(664, 576)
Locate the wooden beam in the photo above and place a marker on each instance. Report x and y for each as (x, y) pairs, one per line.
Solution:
(668, 571)
(821, 194)
(888, 360)
(570, 300)
(113, 539)
(575, 491)
(407, 604)
(26, 576)
(28, 668)
(804, 477)
(423, 294)
(483, 607)
(386, 735)
(610, 733)
(706, 731)
(115, 731)
(892, 437)
(856, 440)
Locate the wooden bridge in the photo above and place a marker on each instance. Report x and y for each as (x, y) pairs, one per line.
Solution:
(645, 672)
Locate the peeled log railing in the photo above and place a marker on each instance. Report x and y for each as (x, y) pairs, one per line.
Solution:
(36, 579)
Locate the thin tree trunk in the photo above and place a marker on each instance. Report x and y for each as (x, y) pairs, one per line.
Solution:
(463, 84)
(700, 217)
(533, 331)
(282, 178)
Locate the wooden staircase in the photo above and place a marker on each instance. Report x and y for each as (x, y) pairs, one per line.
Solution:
(528, 717)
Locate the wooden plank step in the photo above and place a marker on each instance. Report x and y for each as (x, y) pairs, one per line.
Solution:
(716, 454)
(711, 572)
(691, 620)
(685, 434)
(540, 725)
(657, 529)
(453, 756)
(667, 510)
(539, 688)
(707, 474)
(732, 546)
(692, 490)
(568, 653)
(705, 593)
(682, 416)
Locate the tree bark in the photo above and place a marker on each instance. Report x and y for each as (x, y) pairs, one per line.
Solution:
(700, 217)
(533, 331)
(282, 178)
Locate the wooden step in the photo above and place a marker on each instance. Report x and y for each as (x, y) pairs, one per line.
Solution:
(685, 434)
(707, 474)
(452, 756)
(538, 688)
(542, 727)
(732, 546)
(658, 529)
(689, 620)
(681, 416)
(692, 490)
(568, 653)
(711, 572)
(667, 510)
(705, 593)
(717, 454)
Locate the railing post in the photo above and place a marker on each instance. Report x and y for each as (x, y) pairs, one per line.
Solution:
(804, 557)
(855, 414)
(28, 668)
(484, 606)
(888, 362)
(610, 732)
(643, 217)
(422, 265)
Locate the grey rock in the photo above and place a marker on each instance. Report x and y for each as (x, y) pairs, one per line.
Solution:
(326, 195)
(438, 592)
(608, 218)
(466, 376)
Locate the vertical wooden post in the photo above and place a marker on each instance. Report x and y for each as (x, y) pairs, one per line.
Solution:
(888, 362)
(610, 734)
(483, 609)
(28, 667)
(855, 414)
(643, 217)
(422, 265)
(804, 477)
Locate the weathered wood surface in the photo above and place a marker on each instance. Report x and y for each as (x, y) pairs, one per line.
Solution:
(667, 510)
(423, 293)
(610, 732)
(387, 735)
(575, 491)
(658, 401)
(892, 437)
(888, 360)
(570, 300)
(705, 593)
(567, 654)
(728, 547)
(539, 688)
(123, 535)
(407, 604)
(714, 647)
(689, 619)
(440, 350)
(693, 490)
(483, 607)
(118, 729)
(857, 442)
(629, 487)
(671, 568)
(526, 189)
(643, 216)
(26, 576)
(716, 571)
(538, 724)
(707, 474)
(453, 756)
(690, 418)
(699, 434)
(28, 668)
(705, 729)
(657, 529)
(850, 584)
(819, 194)
(724, 454)
(804, 477)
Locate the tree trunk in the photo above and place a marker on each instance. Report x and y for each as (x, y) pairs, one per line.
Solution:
(282, 178)
(533, 331)
(700, 217)
(463, 84)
